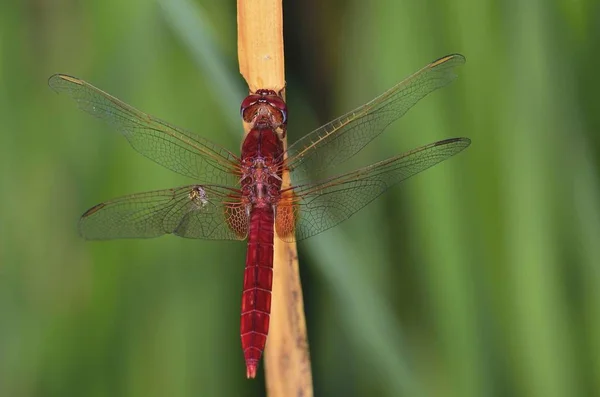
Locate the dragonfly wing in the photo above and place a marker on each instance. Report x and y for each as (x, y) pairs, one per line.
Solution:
(167, 145)
(310, 209)
(195, 211)
(345, 136)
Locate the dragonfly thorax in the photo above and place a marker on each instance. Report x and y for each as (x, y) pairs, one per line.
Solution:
(260, 181)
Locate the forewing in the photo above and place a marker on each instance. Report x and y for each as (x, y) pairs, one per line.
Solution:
(195, 211)
(345, 136)
(313, 208)
(167, 145)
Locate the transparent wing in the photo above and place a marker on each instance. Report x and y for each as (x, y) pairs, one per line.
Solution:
(195, 211)
(167, 145)
(345, 136)
(310, 209)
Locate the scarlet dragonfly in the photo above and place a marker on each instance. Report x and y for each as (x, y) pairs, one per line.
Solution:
(241, 197)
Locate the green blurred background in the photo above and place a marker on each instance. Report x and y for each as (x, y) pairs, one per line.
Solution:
(479, 277)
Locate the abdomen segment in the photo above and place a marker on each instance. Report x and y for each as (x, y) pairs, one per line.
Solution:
(258, 280)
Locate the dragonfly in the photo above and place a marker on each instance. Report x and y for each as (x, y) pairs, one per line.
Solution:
(243, 197)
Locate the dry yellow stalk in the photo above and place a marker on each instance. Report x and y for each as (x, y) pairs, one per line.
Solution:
(287, 360)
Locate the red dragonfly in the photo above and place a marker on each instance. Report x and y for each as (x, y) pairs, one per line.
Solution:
(239, 198)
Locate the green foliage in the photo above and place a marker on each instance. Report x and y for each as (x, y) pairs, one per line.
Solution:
(477, 278)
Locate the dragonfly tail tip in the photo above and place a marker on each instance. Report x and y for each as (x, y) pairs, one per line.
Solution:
(251, 370)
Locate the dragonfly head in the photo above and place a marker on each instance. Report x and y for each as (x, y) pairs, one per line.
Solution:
(264, 109)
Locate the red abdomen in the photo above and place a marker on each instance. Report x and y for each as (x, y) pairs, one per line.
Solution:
(258, 280)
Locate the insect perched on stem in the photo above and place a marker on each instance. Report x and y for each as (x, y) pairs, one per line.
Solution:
(238, 198)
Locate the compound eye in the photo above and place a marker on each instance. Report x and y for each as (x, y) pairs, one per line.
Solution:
(279, 103)
(247, 102)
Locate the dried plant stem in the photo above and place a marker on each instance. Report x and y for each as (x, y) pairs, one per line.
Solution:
(287, 360)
